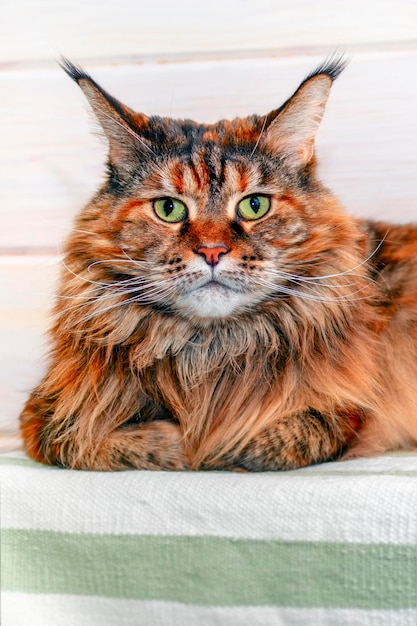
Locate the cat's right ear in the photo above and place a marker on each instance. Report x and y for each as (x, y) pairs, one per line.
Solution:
(119, 123)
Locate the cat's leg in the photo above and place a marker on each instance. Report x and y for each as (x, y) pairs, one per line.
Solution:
(296, 441)
(104, 427)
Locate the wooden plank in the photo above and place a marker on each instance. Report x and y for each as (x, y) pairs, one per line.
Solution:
(26, 285)
(51, 162)
(44, 29)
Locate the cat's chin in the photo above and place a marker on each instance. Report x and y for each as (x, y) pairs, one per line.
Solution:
(213, 301)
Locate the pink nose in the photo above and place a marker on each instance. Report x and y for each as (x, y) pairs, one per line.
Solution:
(212, 253)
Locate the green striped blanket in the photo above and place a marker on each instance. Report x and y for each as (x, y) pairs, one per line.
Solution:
(334, 544)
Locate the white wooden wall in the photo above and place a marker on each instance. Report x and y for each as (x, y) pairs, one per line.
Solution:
(188, 59)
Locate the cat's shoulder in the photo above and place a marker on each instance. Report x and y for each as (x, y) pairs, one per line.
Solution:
(390, 242)
(392, 259)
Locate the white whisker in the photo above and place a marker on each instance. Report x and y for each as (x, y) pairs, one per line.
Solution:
(307, 281)
(153, 297)
(335, 275)
(259, 137)
(144, 289)
(87, 280)
(113, 262)
(140, 262)
(129, 130)
(290, 291)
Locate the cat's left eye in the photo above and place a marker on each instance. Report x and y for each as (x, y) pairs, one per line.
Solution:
(170, 210)
(254, 207)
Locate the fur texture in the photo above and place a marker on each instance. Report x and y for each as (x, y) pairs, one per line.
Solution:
(218, 309)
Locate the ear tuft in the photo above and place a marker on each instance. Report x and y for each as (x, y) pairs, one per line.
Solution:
(74, 71)
(333, 66)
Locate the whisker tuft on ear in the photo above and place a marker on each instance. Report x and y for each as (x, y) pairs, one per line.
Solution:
(332, 66)
(74, 71)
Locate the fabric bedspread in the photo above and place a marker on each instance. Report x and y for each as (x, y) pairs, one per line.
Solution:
(334, 544)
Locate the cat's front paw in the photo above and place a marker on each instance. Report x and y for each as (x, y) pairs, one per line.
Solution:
(299, 440)
(156, 445)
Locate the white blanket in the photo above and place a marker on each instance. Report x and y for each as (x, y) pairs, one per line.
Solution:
(334, 544)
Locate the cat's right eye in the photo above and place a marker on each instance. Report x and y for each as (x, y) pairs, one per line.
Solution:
(170, 210)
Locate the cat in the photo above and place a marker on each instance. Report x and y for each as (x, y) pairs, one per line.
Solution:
(218, 309)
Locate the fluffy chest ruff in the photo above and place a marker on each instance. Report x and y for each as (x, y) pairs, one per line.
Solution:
(228, 383)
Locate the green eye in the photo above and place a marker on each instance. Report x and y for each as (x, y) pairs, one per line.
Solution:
(254, 207)
(170, 210)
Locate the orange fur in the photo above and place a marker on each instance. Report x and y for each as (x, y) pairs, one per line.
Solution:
(295, 345)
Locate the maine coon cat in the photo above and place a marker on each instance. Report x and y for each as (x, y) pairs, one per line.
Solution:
(218, 309)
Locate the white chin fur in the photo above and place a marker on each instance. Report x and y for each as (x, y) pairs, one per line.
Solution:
(213, 301)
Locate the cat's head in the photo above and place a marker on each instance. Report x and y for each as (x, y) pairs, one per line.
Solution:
(210, 221)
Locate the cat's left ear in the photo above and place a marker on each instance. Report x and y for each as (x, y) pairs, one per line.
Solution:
(292, 132)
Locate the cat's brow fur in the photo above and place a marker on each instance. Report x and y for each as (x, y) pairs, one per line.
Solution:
(296, 345)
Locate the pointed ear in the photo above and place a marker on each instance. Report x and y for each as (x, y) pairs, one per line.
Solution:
(292, 133)
(119, 123)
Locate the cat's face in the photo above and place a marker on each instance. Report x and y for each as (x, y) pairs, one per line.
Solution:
(211, 221)
(212, 230)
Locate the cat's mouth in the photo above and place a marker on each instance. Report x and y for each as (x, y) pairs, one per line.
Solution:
(215, 286)
(213, 299)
